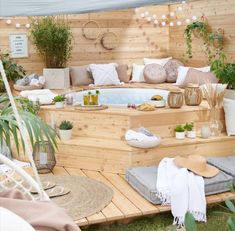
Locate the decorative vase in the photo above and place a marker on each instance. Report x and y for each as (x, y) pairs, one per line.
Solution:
(179, 135)
(175, 99)
(59, 105)
(44, 157)
(95, 99)
(86, 99)
(193, 95)
(215, 123)
(65, 134)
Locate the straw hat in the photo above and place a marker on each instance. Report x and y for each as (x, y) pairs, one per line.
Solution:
(196, 164)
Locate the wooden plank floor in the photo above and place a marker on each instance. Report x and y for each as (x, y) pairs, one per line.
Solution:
(126, 202)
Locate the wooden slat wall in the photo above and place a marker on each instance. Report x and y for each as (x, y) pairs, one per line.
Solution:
(138, 38)
(219, 14)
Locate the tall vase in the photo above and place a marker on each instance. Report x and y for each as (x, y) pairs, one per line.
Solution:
(215, 124)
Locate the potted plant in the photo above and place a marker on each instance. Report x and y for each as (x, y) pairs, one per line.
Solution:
(190, 132)
(216, 39)
(198, 29)
(59, 101)
(65, 130)
(52, 37)
(179, 132)
(13, 70)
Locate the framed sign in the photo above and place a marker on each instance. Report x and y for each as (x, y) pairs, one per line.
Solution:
(18, 45)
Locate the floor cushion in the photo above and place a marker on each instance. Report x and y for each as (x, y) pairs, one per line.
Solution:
(143, 180)
(226, 164)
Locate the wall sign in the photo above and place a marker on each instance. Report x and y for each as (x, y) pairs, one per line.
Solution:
(19, 45)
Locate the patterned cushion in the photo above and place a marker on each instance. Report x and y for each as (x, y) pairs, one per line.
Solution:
(143, 180)
(104, 74)
(154, 73)
(80, 76)
(171, 68)
(226, 164)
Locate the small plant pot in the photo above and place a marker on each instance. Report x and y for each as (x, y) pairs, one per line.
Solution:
(179, 135)
(65, 134)
(59, 105)
(191, 134)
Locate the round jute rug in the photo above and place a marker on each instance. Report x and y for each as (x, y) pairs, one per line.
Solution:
(86, 197)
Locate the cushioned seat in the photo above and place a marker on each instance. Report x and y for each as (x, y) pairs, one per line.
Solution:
(143, 180)
(226, 164)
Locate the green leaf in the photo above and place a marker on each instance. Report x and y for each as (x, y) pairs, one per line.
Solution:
(231, 223)
(230, 205)
(190, 224)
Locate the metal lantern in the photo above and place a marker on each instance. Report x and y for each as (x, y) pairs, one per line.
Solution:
(44, 157)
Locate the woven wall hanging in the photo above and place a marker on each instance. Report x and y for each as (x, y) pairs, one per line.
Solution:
(109, 40)
(91, 30)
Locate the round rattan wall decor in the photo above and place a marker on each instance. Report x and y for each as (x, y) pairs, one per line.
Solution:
(110, 40)
(91, 30)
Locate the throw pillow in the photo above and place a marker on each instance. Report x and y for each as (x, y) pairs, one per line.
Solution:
(122, 73)
(104, 74)
(171, 68)
(80, 76)
(182, 72)
(154, 73)
(161, 61)
(137, 73)
(199, 77)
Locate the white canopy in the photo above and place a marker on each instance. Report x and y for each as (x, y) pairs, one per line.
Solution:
(52, 7)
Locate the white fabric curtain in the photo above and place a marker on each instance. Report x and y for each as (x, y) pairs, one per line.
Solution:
(54, 7)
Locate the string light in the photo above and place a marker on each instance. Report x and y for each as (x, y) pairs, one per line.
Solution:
(8, 22)
(194, 18)
(27, 25)
(154, 16)
(179, 23)
(187, 20)
(142, 15)
(179, 8)
(163, 16)
(146, 13)
(172, 14)
(171, 24)
(155, 22)
(17, 25)
(163, 23)
(149, 19)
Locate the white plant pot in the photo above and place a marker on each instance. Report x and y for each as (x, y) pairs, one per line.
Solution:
(191, 134)
(229, 110)
(59, 105)
(56, 78)
(65, 134)
(179, 135)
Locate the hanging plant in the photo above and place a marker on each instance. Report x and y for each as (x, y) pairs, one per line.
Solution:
(199, 29)
(216, 39)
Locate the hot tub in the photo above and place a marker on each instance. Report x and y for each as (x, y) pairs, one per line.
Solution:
(122, 96)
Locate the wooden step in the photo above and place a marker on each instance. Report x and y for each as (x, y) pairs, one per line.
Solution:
(116, 155)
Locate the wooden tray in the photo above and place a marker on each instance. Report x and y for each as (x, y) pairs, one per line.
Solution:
(91, 108)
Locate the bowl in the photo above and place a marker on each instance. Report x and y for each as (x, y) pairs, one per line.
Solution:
(158, 103)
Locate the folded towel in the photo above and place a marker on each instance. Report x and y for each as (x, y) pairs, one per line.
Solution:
(139, 136)
(44, 96)
(34, 82)
(181, 189)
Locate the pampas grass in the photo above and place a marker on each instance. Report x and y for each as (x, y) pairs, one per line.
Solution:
(214, 94)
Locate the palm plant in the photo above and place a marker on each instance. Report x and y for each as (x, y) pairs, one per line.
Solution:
(37, 130)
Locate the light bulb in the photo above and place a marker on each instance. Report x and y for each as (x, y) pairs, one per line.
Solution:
(163, 23)
(180, 8)
(155, 22)
(154, 16)
(8, 22)
(194, 18)
(17, 25)
(149, 19)
(163, 16)
(136, 10)
(171, 24)
(172, 14)
(179, 23)
(187, 20)
(27, 25)
(146, 13)
(142, 15)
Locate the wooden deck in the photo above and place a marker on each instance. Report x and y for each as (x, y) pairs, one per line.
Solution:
(126, 202)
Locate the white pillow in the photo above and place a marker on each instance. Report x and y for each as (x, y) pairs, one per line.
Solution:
(104, 74)
(138, 73)
(182, 72)
(161, 62)
(10, 221)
